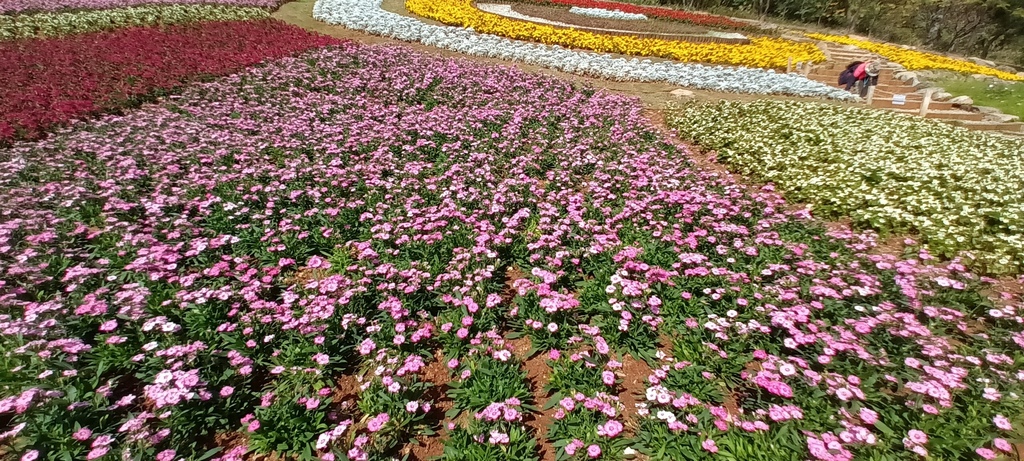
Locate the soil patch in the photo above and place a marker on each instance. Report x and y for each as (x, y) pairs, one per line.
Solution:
(538, 373)
(634, 386)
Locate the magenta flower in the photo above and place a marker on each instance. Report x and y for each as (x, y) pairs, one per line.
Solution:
(985, 453)
(593, 451)
(610, 429)
(1002, 422)
(377, 422)
(709, 445)
(917, 437)
(82, 434)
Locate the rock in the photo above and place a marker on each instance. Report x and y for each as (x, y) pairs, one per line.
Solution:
(1006, 69)
(982, 62)
(962, 101)
(683, 94)
(980, 76)
(941, 96)
(1005, 118)
(906, 76)
(988, 110)
(1020, 74)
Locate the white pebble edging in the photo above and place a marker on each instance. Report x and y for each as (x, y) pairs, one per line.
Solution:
(368, 16)
(607, 14)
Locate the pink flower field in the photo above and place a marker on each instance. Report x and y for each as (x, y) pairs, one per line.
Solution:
(363, 252)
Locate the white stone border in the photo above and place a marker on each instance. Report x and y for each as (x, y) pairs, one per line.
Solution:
(368, 16)
(607, 14)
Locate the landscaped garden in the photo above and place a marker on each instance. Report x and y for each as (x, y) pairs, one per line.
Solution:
(288, 246)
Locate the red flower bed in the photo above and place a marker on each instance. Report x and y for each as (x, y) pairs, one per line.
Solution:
(44, 82)
(703, 19)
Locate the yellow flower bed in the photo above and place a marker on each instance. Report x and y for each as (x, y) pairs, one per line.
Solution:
(770, 53)
(917, 60)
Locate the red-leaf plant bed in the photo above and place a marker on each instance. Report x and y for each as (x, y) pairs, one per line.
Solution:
(48, 82)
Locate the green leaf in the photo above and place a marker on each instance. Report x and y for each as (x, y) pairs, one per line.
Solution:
(209, 453)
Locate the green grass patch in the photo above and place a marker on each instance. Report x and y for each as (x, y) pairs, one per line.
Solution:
(1005, 96)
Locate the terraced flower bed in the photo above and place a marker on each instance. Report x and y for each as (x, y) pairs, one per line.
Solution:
(917, 60)
(50, 82)
(368, 16)
(764, 52)
(651, 26)
(332, 254)
(889, 172)
(693, 17)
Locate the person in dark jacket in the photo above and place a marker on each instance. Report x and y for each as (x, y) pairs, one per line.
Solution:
(860, 73)
(846, 77)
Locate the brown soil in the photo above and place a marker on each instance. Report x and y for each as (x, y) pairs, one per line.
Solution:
(512, 274)
(634, 384)
(346, 392)
(229, 440)
(650, 26)
(537, 373)
(429, 447)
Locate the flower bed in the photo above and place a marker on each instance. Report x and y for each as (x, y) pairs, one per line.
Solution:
(886, 171)
(639, 28)
(80, 22)
(694, 17)
(52, 81)
(761, 52)
(916, 60)
(300, 258)
(24, 6)
(367, 15)
(607, 14)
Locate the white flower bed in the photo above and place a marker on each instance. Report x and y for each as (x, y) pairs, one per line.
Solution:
(606, 14)
(960, 190)
(368, 16)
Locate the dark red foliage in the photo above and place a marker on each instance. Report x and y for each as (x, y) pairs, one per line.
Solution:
(703, 19)
(45, 82)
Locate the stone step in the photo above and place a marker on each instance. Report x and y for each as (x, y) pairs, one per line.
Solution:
(946, 114)
(889, 88)
(885, 102)
(1012, 127)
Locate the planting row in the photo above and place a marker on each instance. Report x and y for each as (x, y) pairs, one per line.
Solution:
(25, 6)
(890, 172)
(693, 17)
(607, 14)
(917, 60)
(80, 22)
(368, 16)
(53, 81)
(761, 52)
(326, 256)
